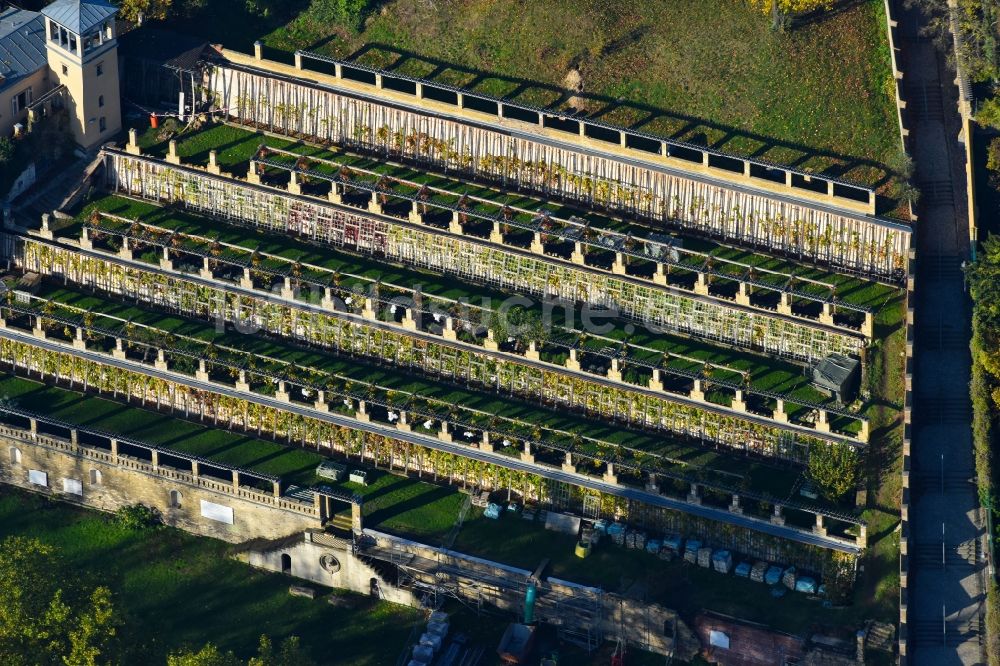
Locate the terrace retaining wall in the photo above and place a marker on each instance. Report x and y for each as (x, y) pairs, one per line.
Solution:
(121, 481)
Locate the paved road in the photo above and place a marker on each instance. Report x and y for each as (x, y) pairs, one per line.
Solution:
(946, 580)
(455, 448)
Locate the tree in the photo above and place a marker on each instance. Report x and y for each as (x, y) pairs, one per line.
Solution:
(834, 469)
(6, 150)
(290, 654)
(138, 11)
(38, 622)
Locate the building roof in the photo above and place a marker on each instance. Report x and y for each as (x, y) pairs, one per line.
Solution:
(22, 45)
(80, 16)
(176, 50)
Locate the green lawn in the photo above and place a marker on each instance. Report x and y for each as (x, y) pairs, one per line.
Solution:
(174, 589)
(711, 71)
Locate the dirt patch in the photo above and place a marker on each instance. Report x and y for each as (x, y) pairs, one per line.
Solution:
(573, 81)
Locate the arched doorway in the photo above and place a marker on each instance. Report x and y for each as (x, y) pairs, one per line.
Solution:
(175, 499)
(286, 563)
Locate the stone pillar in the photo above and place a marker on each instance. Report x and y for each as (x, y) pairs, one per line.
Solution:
(166, 263)
(206, 269)
(496, 234)
(85, 241)
(46, 230)
(172, 156)
(236, 480)
(615, 371)
(779, 413)
(362, 412)
(132, 147)
(819, 528)
(33, 425)
(701, 284)
(698, 391)
(327, 300)
(126, 251)
(455, 225)
(578, 257)
(155, 457)
(573, 362)
(403, 423)
(79, 342)
(213, 162)
(258, 50)
(619, 267)
(298, 60)
(778, 517)
(119, 350)
(823, 421)
(651, 483)
(276, 487)
(660, 276)
(826, 316)
(195, 470)
(536, 243)
(527, 455)
(334, 194)
(161, 360)
(532, 351)
(739, 403)
(114, 449)
(609, 474)
(865, 433)
(490, 342)
(294, 186)
(743, 294)
(415, 216)
(246, 281)
(373, 204)
(74, 436)
(568, 465)
(242, 384)
(286, 289)
(357, 521)
(735, 506)
(282, 392)
(444, 433)
(694, 495)
(785, 303)
(253, 175)
(868, 327)
(369, 310)
(862, 536)
(409, 323)
(485, 444)
(656, 381)
(449, 332)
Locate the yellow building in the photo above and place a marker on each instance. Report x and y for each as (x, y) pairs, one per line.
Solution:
(71, 43)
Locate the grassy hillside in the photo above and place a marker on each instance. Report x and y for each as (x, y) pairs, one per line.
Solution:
(709, 71)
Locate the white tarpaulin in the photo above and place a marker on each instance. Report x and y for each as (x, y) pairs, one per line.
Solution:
(72, 486)
(217, 512)
(38, 477)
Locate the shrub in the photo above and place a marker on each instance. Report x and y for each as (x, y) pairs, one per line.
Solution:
(6, 149)
(834, 470)
(138, 517)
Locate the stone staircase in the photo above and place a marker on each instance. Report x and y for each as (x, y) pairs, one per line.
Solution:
(54, 191)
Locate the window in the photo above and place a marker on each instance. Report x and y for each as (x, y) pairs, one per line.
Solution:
(20, 101)
(104, 123)
(100, 100)
(175, 499)
(72, 42)
(65, 70)
(53, 31)
(15, 455)
(96, 477)
(100, 68)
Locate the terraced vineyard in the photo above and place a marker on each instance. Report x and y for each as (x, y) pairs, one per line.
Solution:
(360, 301)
